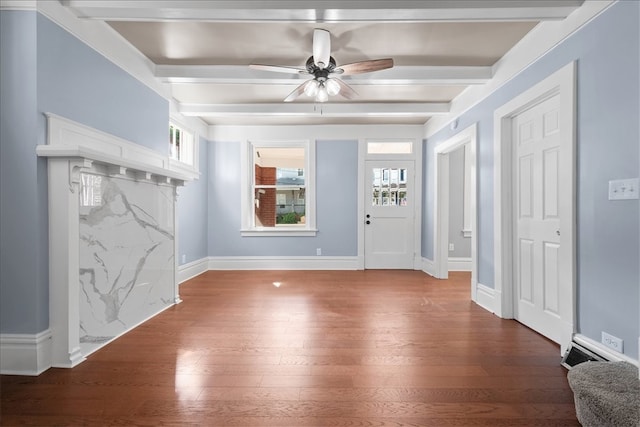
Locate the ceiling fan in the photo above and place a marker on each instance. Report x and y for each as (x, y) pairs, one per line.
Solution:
(323, 68)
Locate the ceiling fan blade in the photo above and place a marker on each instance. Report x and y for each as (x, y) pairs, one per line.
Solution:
(278, 69)
(346, 91)
(365, 66)
(321, 47)
(297, 91)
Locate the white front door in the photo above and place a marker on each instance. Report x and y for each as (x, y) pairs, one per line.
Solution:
(538, 258)
(389, 214)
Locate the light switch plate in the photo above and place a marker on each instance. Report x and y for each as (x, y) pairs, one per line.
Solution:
(623, 189)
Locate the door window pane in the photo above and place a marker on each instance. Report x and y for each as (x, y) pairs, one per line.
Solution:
(389, 187)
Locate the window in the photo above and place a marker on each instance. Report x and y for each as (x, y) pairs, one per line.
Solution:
(280, 191)
(181, 144)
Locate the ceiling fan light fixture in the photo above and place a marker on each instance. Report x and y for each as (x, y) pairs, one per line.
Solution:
(311, 88)
(322, 95)
(333, 88)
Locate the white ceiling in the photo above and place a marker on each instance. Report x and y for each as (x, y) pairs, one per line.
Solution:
(203, 50)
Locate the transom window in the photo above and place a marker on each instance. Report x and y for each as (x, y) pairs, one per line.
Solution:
(390, 147)
(280, 189)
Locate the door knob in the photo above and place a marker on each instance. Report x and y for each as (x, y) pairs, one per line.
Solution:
(367, 222)
(558, 232)
(368, 216)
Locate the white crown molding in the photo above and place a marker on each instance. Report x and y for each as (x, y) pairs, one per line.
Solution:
(107, 42)
(543, 38)
(325, 10)
(18, 4)
(194, 124)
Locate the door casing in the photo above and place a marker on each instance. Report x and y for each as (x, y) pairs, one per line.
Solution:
(416, 157)
(441, 214)
(561, 83)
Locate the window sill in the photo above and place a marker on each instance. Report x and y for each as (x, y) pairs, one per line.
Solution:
(278, 232)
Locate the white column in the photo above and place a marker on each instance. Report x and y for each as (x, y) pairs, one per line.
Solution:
(64, 293)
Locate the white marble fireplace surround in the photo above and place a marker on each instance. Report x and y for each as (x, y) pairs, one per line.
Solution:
(112, 236)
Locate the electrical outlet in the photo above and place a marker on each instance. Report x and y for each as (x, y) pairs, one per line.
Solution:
(318, 251)
(612, 342)
(451, 247)
(623, 189)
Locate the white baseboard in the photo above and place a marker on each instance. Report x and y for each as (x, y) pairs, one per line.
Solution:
(603, 351)
(25, 354)
(459, 263)
(284, 263)
(428, 267)
(486, 297)
(192, 269)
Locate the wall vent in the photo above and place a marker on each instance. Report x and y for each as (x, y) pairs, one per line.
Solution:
(577, 354)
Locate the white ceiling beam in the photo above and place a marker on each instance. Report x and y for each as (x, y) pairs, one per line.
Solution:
(398, 75)
(328, 109)
(322, 11)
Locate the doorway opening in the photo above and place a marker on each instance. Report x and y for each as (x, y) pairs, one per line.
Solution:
(465, 140)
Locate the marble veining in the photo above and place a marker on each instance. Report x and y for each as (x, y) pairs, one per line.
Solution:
(126, 257)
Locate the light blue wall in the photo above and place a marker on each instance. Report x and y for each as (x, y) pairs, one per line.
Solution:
(23, 264)
(336, 201)
(192, 213)
(76, 82)
(45, 69)
(607, 53)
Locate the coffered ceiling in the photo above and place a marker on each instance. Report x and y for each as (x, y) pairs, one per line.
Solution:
(203, 49)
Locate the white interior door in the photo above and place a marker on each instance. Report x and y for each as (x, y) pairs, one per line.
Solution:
(538, 258)
(389, 214)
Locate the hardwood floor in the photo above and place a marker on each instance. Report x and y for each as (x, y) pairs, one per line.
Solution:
(326, 348)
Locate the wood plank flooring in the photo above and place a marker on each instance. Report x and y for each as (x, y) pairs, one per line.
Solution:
(326, 348)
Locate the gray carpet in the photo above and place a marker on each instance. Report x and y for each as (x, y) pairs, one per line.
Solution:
(606, 394)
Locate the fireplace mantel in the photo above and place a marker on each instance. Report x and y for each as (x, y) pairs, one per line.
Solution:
(67, 139)
(73, 149)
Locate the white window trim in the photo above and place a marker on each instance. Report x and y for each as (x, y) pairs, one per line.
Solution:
(246, 203)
